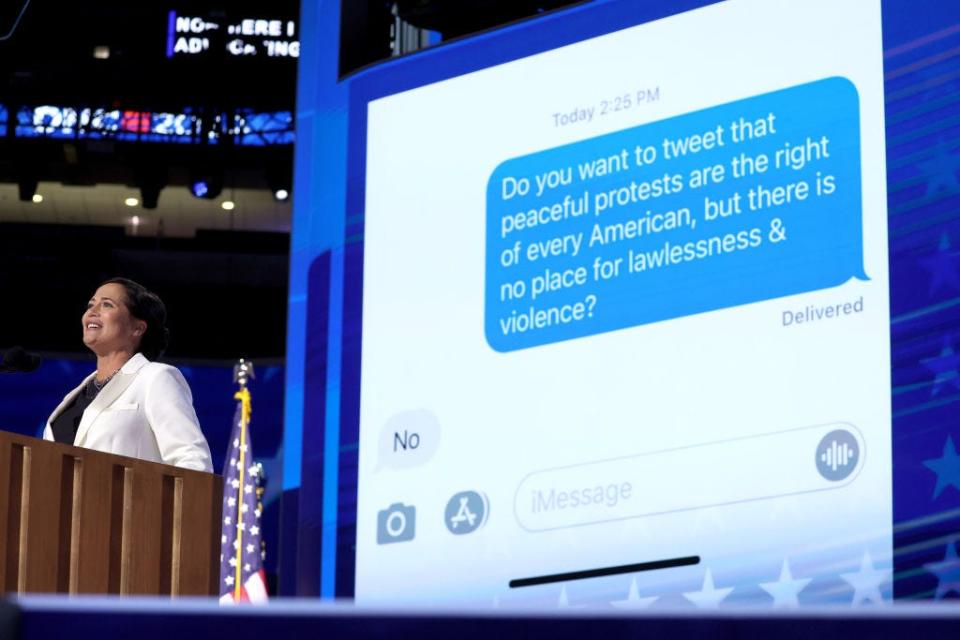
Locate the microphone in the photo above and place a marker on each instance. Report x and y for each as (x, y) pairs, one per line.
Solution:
(16, 360)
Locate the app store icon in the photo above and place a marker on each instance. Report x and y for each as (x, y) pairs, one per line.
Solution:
(466, 512)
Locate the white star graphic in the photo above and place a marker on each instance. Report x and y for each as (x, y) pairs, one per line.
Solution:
(236, 544)
(250, 548)
(947, 571)
(244, 508)
(244, 448)
(228, 580)
(634, 601)
(233, 462)
(227, 520)
(236, 442)
(786, 589)
(866, 582)
(564, 603)
(943, 266)
(231, 502)
(235, 483)
(944, 367)
(246, 567)
(241, 526)
(253, 470)
(709, 597)
(233, 562)
(254, 530)
(247, 488)
(223, 539)
(940, 170)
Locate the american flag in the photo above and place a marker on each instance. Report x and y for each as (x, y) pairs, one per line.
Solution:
(242, 578)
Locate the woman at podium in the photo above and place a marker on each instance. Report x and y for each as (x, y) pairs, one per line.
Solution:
(130, 406)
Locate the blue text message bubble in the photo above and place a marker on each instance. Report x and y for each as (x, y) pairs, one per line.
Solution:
(746, 201)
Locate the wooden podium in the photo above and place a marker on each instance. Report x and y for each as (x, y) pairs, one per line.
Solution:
(75, 520)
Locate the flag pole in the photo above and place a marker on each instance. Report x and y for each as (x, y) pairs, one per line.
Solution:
(242, 372)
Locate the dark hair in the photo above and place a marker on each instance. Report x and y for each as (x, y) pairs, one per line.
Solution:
(145, 305)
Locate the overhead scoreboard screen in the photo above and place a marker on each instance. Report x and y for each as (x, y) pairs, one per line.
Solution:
(218, 35)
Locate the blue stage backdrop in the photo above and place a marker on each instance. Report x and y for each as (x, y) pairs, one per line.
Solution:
(920, 60)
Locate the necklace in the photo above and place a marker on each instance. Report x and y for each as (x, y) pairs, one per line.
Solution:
(100, 385)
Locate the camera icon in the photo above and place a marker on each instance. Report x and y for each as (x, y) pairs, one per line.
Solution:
(396, 523)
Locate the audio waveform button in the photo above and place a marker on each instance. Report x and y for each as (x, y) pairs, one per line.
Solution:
(837, 455)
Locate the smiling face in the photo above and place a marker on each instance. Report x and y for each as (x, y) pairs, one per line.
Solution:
(108, 326)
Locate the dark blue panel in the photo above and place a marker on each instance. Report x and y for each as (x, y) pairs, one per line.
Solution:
(9, 620)
(349, 421)
(310, 509)
(921, 69)
(27, 399)
(287, 559)
(146, 620)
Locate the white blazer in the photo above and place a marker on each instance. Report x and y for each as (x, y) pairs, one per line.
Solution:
(145, 411)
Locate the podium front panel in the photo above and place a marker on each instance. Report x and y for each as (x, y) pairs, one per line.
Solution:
(74, 520)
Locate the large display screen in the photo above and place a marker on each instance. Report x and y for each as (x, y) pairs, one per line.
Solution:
(625, 311)
(631, 305)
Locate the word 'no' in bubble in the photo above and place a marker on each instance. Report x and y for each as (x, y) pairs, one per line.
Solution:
(408, 439)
